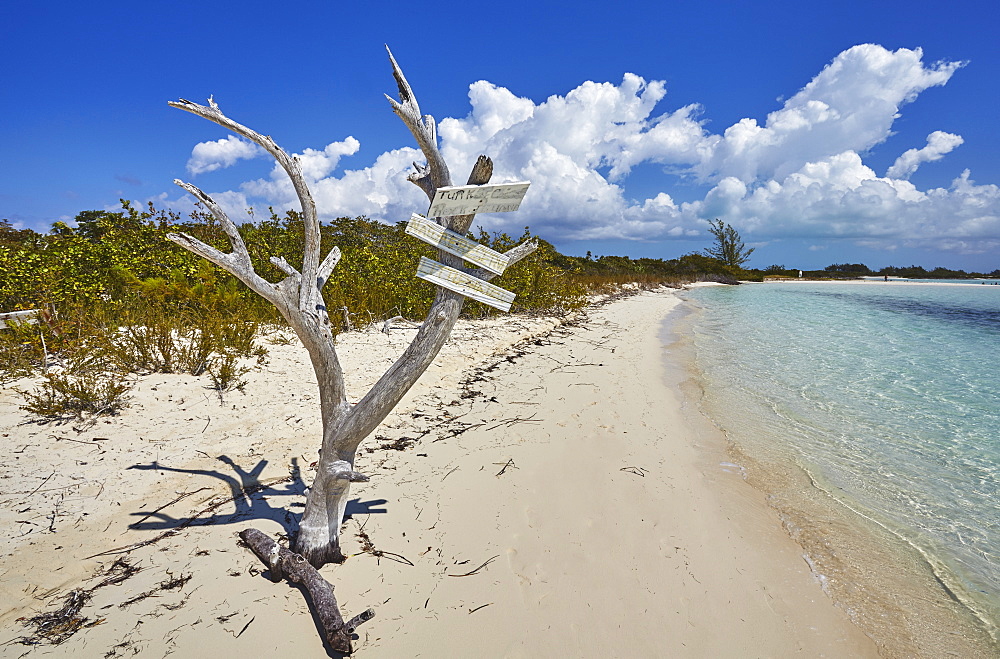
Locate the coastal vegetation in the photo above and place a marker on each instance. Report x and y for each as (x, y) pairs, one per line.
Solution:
(907, 272)
(855, 270)
(118, 299)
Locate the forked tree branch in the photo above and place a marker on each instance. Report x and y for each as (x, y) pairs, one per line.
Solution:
(299, 296)
(236, 262)
(310, 257)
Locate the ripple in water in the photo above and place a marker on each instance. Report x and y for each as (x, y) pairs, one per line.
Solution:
(888, 398)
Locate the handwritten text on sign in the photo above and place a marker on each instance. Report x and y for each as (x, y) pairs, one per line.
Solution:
(467, 285)
(436, 235)
(468, 199)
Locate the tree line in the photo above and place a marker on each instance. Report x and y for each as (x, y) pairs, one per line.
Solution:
(854, 270)
(907, 272)
(109, 257)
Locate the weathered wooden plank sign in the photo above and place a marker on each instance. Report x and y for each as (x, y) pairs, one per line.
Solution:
(436, 235)
(14, 317)
(465, 284)
(468, 199)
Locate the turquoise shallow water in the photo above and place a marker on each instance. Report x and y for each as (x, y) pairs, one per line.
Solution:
(889, 396)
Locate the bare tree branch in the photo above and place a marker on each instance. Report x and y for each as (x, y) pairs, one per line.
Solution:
(283, 265)
(327, 266)
(288, 565)
(422, 128)
(310, 257)
(236, 263)
(298, 297)
(225, 261)
(422, 178)
(239, 248)
(515, 254)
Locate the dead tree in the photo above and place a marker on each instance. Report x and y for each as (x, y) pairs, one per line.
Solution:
(299, 298)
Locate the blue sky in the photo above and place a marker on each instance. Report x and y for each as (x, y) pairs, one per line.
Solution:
(825, 132)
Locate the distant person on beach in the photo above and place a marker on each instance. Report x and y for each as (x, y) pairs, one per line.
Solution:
(887, 277)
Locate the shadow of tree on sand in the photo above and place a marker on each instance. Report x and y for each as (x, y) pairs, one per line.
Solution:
(250, 498)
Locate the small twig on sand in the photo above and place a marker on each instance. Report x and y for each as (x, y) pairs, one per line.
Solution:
(52, 518)
(182, 496)
(469, 574)
(70, 439)
(42, 483)
(509, 463)
(368, 547)
(483, 606)
(387, 325)
(245, 627)
(638, 471)
(510, 422)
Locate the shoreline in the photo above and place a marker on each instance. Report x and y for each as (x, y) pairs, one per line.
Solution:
(893, 589)
(601, 521)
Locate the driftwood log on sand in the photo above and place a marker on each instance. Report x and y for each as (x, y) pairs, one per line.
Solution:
(285, 564)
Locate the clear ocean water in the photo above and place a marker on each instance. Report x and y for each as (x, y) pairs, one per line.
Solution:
(887, 396)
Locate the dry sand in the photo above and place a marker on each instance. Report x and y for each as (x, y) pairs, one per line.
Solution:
(558, 501)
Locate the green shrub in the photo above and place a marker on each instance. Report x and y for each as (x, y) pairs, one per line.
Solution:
(65, 396)
(134, 302)
(21, 350)
(85, 385)
(227, 372)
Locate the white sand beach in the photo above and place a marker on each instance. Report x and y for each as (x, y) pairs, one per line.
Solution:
(542, 492)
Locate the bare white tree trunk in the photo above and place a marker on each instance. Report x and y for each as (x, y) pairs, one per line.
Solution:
(299, 298)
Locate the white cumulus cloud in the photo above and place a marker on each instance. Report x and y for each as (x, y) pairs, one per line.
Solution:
(801, 172)
(210, 156)
(939, 144)
(850, 105)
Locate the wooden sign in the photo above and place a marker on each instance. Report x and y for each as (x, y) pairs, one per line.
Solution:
(436, 235)
(468, 199)
(14, 317)
(467, 285)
